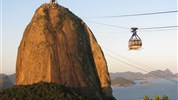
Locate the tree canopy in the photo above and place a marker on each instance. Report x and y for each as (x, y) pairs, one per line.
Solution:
(40, 91)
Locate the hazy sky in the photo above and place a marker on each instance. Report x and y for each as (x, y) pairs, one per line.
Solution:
(159, 46)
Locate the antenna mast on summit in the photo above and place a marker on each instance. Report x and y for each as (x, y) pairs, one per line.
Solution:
(54, 2)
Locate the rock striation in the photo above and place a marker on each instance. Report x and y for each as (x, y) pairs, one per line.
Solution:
(57, 46)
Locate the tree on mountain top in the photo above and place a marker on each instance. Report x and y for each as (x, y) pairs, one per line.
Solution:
(145, 97)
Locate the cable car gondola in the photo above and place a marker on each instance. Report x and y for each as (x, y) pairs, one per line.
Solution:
(135, 43)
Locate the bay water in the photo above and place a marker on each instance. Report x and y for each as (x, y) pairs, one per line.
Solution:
(158, 87)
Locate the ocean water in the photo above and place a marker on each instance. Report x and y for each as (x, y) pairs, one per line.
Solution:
(158, 87)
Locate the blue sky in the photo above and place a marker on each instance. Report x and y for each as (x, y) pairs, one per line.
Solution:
(159, 47)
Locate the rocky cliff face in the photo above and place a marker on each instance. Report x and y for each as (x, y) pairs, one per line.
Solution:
(58, 47)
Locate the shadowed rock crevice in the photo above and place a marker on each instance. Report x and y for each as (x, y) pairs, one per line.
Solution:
(58, 47)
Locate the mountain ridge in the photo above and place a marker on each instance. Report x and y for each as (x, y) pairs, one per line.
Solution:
(5, 82)
(140, 76)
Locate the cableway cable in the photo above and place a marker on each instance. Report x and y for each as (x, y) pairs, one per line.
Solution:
(146, 28)
(139, 63)
(140, 68)
(108, 25)
(133, 15)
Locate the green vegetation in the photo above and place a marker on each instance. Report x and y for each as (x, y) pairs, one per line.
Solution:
(119, 81)
(46, 14)
(165, 97)
(145, 97)
(40, 91)
(63, 14)
(156, 97)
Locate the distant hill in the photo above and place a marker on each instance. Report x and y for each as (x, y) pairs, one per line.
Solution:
(119, 81)
(40, 91)
(139, 76)
(5, 82)
(159, 73)
(127, 75)
(176, 74)
(12, 77)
